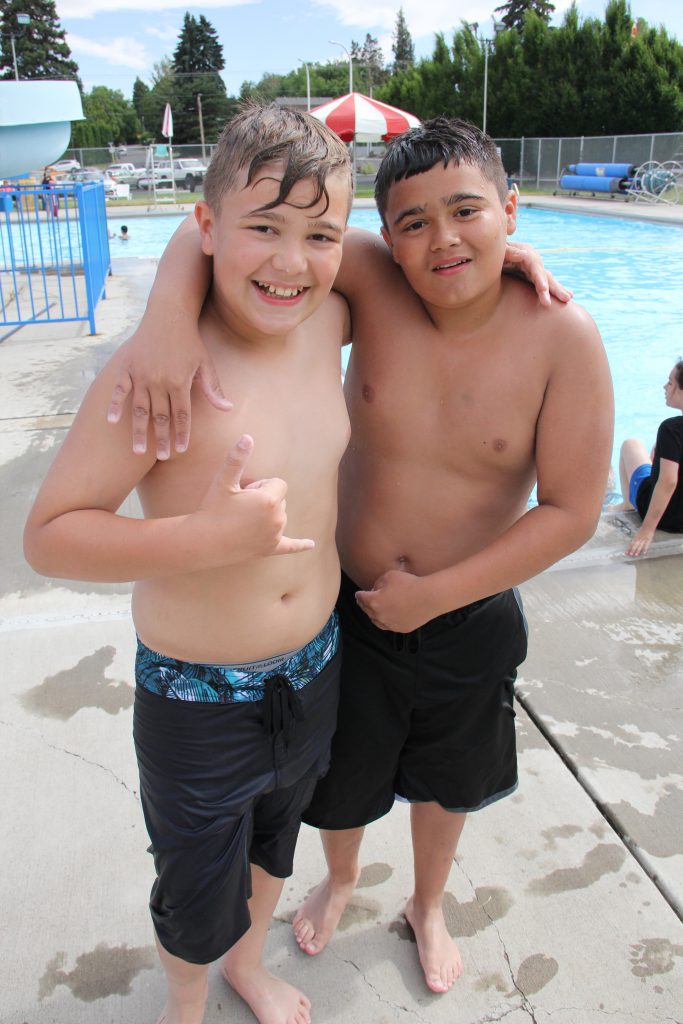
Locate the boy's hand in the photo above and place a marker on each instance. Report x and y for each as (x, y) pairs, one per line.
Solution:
(523, 258)
(395, 602)
(242, 523)
(159, 379)
(640, 542)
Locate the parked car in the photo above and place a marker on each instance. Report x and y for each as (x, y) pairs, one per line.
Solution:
(162, 179)
(64, 166)
(128, 174)
(187, 172)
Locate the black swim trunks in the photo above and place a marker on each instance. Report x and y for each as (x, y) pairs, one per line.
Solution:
(427, 716)
(223, 783)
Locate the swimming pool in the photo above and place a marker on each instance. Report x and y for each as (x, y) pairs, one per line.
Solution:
(627, 273)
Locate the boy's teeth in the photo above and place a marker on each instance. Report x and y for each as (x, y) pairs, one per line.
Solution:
(283, 293)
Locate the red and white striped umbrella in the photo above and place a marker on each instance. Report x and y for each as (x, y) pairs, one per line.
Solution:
(359, 117)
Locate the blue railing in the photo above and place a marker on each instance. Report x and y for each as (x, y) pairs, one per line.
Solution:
(54, 254)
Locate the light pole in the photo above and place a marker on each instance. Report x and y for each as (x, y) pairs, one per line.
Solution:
(23, 20)
(498, 26)
(308, 83)
(335, 43)
(487, 43)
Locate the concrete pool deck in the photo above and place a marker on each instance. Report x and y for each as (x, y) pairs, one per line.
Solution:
(566, 899)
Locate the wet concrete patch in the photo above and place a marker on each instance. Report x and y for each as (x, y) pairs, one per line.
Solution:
(85, 685)
(104, 971)
(551, 835)
(360, 910)
(535, 972)
(657, 841)
(464, 920)
(654, 956)
(374, 874)
(604, 859)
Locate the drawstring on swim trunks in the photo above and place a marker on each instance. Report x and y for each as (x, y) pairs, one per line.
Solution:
(408, 641)
(281, 708)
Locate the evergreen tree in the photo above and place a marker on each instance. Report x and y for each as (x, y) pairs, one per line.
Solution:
(368, 65)
(402, 45)
(197, 61)
(513, 11)
(40, 46)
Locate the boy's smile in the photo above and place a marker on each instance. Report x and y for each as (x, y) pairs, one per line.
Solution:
(447, 229)
(273, 267)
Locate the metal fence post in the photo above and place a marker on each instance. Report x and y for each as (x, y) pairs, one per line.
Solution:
(521, 164)
(538, 164)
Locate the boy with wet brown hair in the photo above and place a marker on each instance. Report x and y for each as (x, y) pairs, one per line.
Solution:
(237, 666)
(462, 393)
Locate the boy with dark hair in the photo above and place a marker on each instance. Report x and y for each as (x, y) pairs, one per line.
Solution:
(237, 667)
(462, 394)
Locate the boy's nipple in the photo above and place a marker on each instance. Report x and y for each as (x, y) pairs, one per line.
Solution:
(368, 393)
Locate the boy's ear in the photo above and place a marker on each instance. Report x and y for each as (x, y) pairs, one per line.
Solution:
(510, 207)
(387, 238)
(206, 222)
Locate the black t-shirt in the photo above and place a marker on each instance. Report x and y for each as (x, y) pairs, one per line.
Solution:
(669, 446)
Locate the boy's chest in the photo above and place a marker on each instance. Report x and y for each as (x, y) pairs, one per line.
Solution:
(299, 425)
(479, 405)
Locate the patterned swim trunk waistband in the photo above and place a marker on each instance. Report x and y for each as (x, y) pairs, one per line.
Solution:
(234, 684)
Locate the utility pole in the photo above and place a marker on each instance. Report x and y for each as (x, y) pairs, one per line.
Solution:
(308, 83)
(201, 124)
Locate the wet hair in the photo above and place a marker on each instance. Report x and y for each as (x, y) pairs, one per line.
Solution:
(260, 135)
(678, 373)
(124, 228)
(442, 140)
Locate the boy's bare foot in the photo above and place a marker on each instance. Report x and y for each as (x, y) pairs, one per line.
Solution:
(271, 1000)
(316, 920)
(438, 953)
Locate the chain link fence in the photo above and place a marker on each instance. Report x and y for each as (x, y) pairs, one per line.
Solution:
(531, 163)
(538, 163)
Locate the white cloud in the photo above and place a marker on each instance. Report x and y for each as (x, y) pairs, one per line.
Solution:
(89, 8)
(422, 19)
(122, 51)
(167, 35)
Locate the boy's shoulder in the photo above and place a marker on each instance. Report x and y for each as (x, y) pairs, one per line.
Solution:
(554, 325)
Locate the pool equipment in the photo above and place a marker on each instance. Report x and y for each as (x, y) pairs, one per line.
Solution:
(653, 181)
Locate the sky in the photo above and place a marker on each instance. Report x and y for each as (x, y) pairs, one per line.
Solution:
(114, 41)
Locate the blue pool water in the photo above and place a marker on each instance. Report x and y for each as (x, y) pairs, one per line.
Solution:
(626, 273)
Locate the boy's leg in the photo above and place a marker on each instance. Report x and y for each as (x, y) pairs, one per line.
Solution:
(317, 919)
(632, 455)
(272, 1001)
(435, 834)
(187, 989)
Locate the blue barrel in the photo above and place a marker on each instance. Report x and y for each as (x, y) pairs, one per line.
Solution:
(604, 170)
(588, 183)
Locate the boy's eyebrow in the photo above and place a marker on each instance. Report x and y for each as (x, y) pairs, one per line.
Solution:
(329, 225)
(452, 200)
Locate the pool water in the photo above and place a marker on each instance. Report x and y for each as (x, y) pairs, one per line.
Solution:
(626, 273)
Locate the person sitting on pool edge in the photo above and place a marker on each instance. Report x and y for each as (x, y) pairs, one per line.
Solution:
(461, 391)
(653, 484)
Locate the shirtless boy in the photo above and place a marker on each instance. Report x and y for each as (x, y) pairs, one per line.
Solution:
(237, 668)
(462, 393)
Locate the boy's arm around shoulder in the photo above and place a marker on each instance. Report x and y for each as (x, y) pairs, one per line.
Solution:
(572, 455)
(74, 532)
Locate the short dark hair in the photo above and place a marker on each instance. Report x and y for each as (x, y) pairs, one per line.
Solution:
(678, 373)
(440, 140)
(260, 135)
(124, 227)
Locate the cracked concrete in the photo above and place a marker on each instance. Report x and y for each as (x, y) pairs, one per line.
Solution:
(557, 922)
